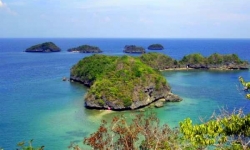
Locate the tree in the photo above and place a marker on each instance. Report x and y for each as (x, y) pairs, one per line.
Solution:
(143, 132)
(223, 131)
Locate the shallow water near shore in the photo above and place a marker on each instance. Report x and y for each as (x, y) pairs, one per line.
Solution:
(37, 104)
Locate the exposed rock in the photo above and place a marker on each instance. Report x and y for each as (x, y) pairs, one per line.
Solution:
(156, 47)
(44, 47)
(86, 82)
(173, 98)
(153, 97)
(158, 104)
(64, 79)
(162, 100)
(85, 49)
(133, 49)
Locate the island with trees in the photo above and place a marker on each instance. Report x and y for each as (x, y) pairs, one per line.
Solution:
(133, 49)
(44, 48)
(85, 49)
(195, 61)
(120, 83)
(155, 47)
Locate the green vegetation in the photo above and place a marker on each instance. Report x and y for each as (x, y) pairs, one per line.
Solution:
(120, 80)
(158, 61)
(221, 59)
(193, 59)
(156, 47)
(85, 49)
(44, 47)
(223, 132)
(214, 59)
(23, 146)
(90, 68)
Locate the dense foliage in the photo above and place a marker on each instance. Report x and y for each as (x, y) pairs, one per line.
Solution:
(226, 131)
(47, 46)
(90, 68)
(218, 59)
(193, 59)
(223, 132)
(158, 61)
(214, 59)
(122, 80)
(86, 49)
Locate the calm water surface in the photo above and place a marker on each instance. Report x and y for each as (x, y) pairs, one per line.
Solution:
(37, 104)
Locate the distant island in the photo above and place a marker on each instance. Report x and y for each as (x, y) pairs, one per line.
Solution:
(133, 49)
(85, 49)
(44, 48)
(195, 61)
(155, 47)
(121, 83)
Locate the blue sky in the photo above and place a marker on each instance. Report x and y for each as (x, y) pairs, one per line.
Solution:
(125, 18)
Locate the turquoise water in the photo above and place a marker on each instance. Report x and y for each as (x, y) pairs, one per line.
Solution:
(37, 104)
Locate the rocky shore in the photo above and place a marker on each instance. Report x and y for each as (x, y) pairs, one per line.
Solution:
(154, 96)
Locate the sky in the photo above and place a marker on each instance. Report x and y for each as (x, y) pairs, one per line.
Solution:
(125, 18)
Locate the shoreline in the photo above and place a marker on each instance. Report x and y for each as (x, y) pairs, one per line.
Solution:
(206, 69)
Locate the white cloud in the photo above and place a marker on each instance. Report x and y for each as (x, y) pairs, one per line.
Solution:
(1, 4)
(6, 8)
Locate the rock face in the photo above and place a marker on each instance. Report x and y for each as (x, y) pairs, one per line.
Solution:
(44, 47)
(85, 49)
(158, 104)
(133, 49)
(156, 47)
(153, 96)
(120, 83)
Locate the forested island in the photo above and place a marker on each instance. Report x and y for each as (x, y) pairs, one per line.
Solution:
(155, 47)
(120, 83)
(195, 61)
(133, 49)
(44, 47)
(126, 82)
(85, 49)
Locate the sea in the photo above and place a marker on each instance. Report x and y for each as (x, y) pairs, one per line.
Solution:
(36, 104)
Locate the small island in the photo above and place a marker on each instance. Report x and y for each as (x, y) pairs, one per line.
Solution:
(133, 49)
(85, 49)
(195, 61)
(44, 48)
(121, 83)
(156, 47)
